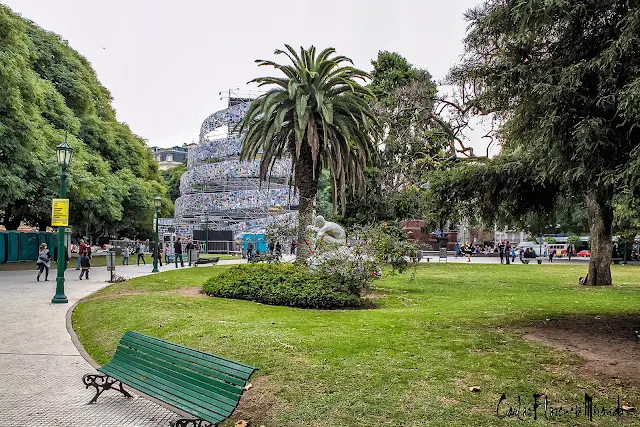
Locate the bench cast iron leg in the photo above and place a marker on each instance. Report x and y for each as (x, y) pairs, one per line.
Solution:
(196, 422)
(102, 383)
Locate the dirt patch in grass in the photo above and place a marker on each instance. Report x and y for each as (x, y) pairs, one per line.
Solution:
(256, 402)
(610, 346)
(373, 295)
(190, 291)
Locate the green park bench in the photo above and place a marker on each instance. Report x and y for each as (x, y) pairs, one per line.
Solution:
(201, 260)
(200, 384)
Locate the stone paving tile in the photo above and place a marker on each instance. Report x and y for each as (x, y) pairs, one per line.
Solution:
(51, 393)
(41, 370)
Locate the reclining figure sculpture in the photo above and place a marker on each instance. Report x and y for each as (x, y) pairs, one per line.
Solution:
(329, 231)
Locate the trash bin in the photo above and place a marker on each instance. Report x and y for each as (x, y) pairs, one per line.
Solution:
(194, 254)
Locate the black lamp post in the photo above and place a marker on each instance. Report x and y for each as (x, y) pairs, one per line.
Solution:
(157, 202)
(64, 152)
(206, 220)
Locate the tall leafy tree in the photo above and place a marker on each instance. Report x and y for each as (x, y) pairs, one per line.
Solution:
(412, 144)
(49, 92)
(171, 179)
(564, 76)
(319, 115)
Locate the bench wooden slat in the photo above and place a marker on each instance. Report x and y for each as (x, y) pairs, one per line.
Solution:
(190, 395)
(201, 384)
(163, 395)
(243, 371)
(188, 361)
(182, 375)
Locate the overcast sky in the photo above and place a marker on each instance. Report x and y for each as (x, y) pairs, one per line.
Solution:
(165, 62)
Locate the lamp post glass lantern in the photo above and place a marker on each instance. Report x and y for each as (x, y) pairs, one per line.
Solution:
(157, 203)
(64, 153)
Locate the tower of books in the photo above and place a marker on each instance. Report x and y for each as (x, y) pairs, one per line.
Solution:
(223, 189)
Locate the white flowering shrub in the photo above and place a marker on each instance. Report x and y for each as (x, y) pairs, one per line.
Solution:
(355, 267)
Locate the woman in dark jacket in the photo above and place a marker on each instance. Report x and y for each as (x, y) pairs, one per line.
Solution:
(43, 262)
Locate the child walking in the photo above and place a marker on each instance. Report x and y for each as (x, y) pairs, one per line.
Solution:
(85, 265)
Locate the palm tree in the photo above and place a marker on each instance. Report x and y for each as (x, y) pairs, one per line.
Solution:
(318, 114)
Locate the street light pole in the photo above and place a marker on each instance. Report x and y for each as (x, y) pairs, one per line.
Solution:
(157, 202)
(64, 152)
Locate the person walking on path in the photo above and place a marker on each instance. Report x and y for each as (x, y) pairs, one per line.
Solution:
(81, 251)
(521, 255)
(551, 253)
(177, 250)
(140, 252)
(189, 248)
(507, 252)
(125, 256)
(569, 252)
(249, 250)
(457, 249)
(85, 264)
(501, 252)
(293, 246)
(159, 253)
(167, 252)
(44, 262)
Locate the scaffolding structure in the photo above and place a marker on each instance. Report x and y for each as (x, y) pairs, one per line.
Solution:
(223, 192)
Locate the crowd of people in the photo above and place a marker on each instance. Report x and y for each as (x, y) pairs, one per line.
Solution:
(508, 252)
(274, 251)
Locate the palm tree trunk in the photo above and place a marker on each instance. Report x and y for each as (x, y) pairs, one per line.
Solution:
(307, 184)
(600, 223)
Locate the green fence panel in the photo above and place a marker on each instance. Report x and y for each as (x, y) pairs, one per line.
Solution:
(3, 246)
(52, 239)
(42, 238)
(12, 246)
(27, 246)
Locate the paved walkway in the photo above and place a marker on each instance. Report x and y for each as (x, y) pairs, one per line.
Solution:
(40, 368)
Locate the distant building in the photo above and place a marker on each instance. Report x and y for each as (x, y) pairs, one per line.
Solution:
(168, 158)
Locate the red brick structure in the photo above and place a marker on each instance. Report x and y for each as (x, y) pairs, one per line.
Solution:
(414, 230)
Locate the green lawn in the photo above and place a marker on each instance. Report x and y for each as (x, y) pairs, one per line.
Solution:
(408, 362)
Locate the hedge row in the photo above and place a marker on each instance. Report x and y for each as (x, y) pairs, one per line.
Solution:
(279, 284)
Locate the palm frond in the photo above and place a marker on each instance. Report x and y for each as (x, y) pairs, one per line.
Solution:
(318, 104)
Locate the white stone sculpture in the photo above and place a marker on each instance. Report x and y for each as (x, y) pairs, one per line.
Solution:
(329, 231)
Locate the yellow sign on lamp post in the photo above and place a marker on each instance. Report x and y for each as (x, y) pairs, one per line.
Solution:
(60, 213)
